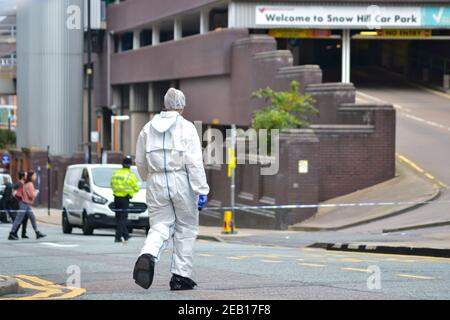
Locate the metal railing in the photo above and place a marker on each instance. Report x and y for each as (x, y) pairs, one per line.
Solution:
(8, 30)
(8, 62)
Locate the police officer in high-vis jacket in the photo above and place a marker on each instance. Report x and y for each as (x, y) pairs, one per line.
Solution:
(124, 184)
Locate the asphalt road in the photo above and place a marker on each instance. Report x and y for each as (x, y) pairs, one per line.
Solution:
(222, 270)
(423, 137)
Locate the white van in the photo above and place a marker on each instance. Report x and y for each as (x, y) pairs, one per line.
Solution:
(88, 200)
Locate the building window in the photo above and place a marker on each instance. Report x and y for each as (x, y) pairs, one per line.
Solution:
(127, 41)
(191, 25)
(218, 19)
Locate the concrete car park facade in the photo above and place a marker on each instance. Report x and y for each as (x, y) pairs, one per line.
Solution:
(204, 46)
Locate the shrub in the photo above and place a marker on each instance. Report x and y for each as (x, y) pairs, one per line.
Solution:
(287, 109)
(7, 139)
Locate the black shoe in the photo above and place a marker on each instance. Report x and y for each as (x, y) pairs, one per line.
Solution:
(24, 236)
(40, 235)
(12, 236)
(178, 283)
(118, 241)
(144, 271)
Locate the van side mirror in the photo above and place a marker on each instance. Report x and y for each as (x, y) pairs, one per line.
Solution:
(82, 185)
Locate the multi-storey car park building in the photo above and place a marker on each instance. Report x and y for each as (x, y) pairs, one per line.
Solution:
(219, 52)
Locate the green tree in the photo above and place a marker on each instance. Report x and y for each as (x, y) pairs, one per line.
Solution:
(287, 109)
(7, 139)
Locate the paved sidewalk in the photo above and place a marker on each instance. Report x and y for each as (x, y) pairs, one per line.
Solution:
(205, 233)
(407, 186)
(434, 245)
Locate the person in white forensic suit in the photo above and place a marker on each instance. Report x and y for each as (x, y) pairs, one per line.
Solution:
(169, 157)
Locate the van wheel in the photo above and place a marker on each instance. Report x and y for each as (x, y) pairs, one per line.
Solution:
(66, 226)
(88, 229)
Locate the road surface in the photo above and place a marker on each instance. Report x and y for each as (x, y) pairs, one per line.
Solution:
(222, 270)
(423, 137)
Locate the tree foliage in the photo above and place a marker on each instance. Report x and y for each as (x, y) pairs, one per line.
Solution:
(7, 139)
(287, 109)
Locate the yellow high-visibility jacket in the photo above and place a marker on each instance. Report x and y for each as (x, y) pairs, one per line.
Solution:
(124, 183)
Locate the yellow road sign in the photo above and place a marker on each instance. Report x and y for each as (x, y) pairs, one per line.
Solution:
(299, 33)
(404, 33)
(232, 161)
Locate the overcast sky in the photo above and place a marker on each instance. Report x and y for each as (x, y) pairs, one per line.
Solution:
(6, 6)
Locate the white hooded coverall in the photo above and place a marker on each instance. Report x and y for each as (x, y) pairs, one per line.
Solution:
(169, 157)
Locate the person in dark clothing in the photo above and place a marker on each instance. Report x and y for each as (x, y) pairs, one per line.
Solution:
(6, 195)
(10, 202)
(27, 194)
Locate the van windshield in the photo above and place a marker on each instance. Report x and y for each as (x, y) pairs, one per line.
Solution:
(102, 177)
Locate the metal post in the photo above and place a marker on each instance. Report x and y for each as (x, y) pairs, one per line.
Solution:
(233, 176)
(89, 74)
(48, 180)
(112, 132)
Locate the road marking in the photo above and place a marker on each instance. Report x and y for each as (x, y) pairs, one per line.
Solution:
(407, 113)
(350, 260)
(47, 290)
(314, 265)
(408, 257)
(271, 261)
(438, 93)
(356, 269)
(205, 255)
(314, 255)
(431, 123)
(415, 277)
(310, 249)
(57, 245)
(37, 280)
(422, 171)
(233, 258)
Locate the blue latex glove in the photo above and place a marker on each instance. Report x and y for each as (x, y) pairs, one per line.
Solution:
(202, 200)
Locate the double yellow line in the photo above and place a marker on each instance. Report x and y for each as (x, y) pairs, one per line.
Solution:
(421, 171)
(46, 290)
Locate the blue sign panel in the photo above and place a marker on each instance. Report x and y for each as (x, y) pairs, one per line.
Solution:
(436, 17)
(6, 159)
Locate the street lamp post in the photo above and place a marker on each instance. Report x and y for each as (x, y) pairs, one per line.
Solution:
(89, 74)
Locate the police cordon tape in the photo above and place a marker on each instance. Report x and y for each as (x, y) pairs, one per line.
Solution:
(328, 205)
(308, 206)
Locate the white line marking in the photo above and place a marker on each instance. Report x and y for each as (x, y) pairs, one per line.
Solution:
(57, 245)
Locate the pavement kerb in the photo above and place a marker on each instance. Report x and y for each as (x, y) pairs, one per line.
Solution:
(8, 286)
(383, 249)
(210, 238)
(46, 221)
(418, 226)
(433, 196)
(207, 237)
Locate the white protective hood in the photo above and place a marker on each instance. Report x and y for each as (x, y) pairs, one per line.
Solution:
(164, 121)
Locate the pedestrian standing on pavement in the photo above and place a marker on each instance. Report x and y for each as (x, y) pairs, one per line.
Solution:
(6, 195)
(169, 157)
(124, 184)
(28, 194)
(14, 203)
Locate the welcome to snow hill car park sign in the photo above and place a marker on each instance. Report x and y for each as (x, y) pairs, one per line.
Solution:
(356, 17)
